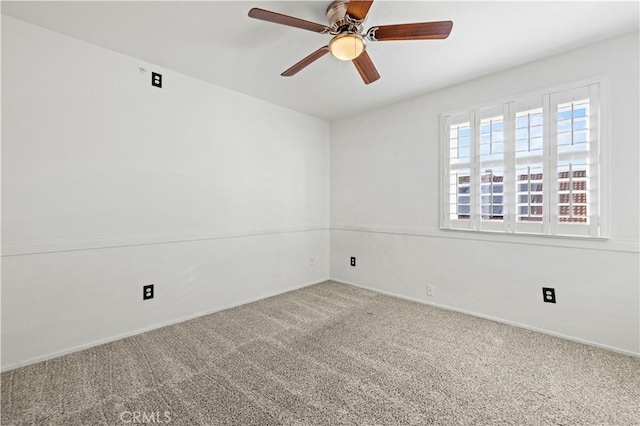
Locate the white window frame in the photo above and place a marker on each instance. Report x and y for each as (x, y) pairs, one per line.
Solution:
(488, 225)
(516, 107)
(548, 100)
(455, 119)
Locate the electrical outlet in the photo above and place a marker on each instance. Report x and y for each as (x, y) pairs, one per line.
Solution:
(353, 261)
(548, 295)
(147, 292)
(156, 79)
(430, 291)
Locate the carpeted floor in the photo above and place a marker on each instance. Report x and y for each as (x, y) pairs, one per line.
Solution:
(330, 354)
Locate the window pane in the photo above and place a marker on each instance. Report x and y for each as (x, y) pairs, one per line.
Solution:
(536, 144)
(573, 170)
(492, 199)
(530, 206)
(459, 179)
(564, 126)
(529, 132)
(536, 131)
(464, 154)
(459, 143)
(492, 164)
(536, 117)
(573, 122)
(464, 201)
(529, 197)
(521, 122)
(573, 195)
(563, 114)
(580, 123)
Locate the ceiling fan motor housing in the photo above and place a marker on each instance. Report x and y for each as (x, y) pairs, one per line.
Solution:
(339, 21)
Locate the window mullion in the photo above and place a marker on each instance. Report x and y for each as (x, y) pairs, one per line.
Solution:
(474, 187)
(509, 192)
(594, 161)
(446, 172)
(550, 174)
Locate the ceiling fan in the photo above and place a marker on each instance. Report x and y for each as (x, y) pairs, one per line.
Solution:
(349, 42)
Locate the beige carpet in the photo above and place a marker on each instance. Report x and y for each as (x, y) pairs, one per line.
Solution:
(330, 354)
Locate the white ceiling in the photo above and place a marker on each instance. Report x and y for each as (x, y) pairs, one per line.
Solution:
(216, 41)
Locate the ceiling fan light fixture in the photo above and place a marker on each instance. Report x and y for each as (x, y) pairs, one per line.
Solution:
(349, 43)
(347, 46)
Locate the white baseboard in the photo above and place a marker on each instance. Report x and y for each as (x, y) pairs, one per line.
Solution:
(500, 320)
(153, 327)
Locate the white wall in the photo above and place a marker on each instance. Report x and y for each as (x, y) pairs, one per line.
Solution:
(218, 198)
(109, 183)
(385, 211)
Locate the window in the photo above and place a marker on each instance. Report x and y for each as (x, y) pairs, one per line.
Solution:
(528, 166)
(460, 166)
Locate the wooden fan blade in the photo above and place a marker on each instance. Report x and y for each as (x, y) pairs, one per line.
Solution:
(418, 31)
(365, 67)
(306, 61)
(279, 18)
(358, 9)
